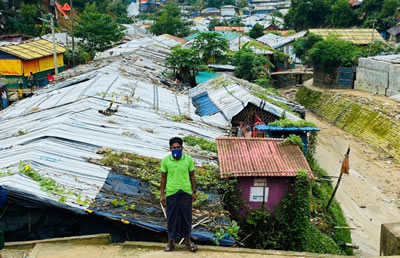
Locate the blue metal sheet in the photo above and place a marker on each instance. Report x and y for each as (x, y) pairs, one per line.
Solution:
(345, 77)
(204, 105)
(287, 129)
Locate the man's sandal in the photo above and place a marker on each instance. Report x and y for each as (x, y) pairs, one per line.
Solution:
(192, 247)
(169, 248)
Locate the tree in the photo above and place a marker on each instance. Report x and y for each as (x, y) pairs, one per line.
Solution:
(341, 14)
(304, 14)
(256, 31)
(332, 53)
(211, 46)
(185, 63)
(27, 19)
(119, 10)
(214, 22)
(242, 3)
(302, 46)
(169, 22)
(219, 3)
(248, 65)
(98, 30)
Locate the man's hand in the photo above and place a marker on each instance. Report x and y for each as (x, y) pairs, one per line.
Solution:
(162, 199)
(194, 197)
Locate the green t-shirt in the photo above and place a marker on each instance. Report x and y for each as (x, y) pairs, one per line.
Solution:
(178, 173)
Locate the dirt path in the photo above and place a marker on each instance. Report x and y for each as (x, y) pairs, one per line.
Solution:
(370, 195)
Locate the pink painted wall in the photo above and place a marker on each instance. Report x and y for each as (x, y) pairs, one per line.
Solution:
(278, 186)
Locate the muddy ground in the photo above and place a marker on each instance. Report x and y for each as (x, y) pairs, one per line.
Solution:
(370, 195)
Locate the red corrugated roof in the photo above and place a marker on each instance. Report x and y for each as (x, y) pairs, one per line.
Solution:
(239, 156)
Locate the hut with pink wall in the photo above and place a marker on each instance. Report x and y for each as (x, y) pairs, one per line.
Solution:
(265, 168)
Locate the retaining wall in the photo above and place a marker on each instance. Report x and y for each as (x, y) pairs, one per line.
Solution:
(378, 76)
(375, 122)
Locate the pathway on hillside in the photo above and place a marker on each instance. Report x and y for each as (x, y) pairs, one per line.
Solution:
(370, 195)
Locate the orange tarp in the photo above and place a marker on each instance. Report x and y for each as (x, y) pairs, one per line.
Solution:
(31, 66)
(10, 67)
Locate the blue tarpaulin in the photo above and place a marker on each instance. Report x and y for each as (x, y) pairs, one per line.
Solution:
(204, 105)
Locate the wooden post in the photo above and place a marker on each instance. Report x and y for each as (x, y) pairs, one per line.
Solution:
(338, 182)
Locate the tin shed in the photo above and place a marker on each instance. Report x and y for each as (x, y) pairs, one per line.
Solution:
(265, 168)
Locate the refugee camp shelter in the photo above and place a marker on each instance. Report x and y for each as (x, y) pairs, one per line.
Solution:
(226, 101)
(265, 168)
(31, 57)
(61, 130)
(358, 36)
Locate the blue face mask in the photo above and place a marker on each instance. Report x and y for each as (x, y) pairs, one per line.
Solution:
(177, 154)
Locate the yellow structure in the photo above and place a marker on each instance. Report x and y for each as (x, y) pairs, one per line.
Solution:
(31, 57)
(357, 36)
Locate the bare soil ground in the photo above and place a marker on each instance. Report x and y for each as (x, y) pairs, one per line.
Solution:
(370, 195)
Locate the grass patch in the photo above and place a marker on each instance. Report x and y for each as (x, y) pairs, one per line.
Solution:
(203, 143)
(290, 123)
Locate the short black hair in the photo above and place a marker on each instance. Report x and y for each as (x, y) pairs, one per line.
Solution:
(175, 140)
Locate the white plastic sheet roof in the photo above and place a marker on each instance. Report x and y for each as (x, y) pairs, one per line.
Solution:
(158, 42)
(63, 127)
(232, 95)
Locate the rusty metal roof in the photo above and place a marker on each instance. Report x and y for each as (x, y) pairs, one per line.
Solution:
(240, 157)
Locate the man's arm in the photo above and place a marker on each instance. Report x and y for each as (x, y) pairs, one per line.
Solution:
(194, 186)
(162, 187)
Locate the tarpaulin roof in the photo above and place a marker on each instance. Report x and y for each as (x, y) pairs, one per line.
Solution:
(239, 156)
(32, 50)
(226, 97)
(356, 35)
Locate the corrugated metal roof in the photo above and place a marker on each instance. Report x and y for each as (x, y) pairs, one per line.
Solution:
(180, 40)
(32, 50)
(231, 95)
(204, 105)
(240, 157)
(357, 36)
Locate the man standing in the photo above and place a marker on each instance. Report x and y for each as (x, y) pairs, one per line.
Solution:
(4, 99)
(178, 191)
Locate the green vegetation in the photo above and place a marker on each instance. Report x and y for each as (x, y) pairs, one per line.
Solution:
(293, 140)
(289, 227)
(256, 31)
(211, 46)
(98, 30)
(227, 231)
(148, 169)
(304, 14)
(203, 143)
(303, 45)
(290, 123)
(185, 63)
(46, 184)
(249, 66)
(332, 53)
(79, 56)
(7, 173)
(370, 120)
(169, 21)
